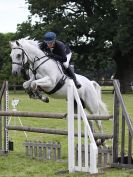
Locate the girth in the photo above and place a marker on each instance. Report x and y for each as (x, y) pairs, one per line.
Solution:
(58, 86)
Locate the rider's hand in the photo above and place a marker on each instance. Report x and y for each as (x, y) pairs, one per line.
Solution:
(51, 55)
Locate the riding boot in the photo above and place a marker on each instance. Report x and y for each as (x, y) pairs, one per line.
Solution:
(71, 74)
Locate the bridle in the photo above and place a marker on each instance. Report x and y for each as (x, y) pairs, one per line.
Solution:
(23, 54)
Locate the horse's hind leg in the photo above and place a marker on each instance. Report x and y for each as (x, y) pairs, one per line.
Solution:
(99, 125)
(91, 123)
(93, 108)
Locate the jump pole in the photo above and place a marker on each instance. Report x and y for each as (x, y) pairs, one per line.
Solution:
(54, 131)
(49, 115)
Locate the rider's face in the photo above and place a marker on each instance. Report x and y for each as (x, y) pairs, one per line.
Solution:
(50, 44)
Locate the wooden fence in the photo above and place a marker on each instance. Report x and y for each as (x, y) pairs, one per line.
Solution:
(120, 157)
(122, 154)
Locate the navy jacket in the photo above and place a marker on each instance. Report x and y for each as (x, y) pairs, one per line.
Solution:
(59, 51)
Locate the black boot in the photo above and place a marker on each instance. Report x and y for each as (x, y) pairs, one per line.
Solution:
(71, 74)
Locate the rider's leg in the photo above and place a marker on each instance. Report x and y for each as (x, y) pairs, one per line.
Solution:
(70, 71)
(71, 74)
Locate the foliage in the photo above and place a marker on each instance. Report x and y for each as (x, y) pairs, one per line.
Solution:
(84, 25)
(96, 31)
(5, 60)
(124, 35)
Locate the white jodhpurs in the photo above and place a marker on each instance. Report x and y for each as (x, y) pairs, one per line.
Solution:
(66, 64)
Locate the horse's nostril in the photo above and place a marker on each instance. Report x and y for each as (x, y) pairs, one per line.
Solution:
(14, 73)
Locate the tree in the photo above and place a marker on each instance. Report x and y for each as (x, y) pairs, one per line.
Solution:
(96, 30)
(66, 18)
(123, 44)
(5, 60)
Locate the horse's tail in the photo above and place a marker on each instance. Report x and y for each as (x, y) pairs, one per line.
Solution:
(102, 106)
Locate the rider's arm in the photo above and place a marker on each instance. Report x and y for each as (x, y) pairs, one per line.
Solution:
(59, 52)
(58, 57)
(43, 47)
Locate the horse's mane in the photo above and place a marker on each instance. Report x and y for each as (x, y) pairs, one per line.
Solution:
(30, 41)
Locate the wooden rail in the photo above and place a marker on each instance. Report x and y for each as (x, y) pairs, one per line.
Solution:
(50, 115)
(54, 131)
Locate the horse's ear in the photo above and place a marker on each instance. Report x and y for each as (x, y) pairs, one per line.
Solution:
(17, 43)
(10, 44)
(28, 37)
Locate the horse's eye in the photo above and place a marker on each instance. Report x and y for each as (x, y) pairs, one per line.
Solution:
(18, 56)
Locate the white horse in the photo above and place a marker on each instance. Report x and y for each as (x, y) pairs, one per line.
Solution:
(46, 73)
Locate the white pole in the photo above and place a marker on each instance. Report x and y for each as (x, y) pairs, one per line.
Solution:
(71, 158)
(93, 158)
(73, 94)
(86, 148)
(79, 140)
(6, 120)
(93, 146)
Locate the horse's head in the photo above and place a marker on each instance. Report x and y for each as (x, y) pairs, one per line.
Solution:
(18, 56)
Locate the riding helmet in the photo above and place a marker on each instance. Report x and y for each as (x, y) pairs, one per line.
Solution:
(49, 37)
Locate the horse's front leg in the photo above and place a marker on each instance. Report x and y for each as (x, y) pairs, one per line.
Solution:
(41, 83)
(44, 82)
(26, 86)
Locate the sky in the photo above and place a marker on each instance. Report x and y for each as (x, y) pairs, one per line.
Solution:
(12, 12)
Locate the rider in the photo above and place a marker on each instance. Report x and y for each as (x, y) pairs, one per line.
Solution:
(59, 52)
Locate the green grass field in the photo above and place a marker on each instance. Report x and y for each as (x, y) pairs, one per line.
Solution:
(16, 164)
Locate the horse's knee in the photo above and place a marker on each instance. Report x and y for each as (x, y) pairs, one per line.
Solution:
(33, 85)
(26, 85)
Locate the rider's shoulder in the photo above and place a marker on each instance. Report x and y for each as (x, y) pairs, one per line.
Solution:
(60, 44)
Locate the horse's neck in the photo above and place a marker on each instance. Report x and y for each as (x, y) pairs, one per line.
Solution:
(33, 52)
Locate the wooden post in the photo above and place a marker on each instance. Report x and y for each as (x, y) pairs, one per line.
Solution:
(122, 138)
(116, 128)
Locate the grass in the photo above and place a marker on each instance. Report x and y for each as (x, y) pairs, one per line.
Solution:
(16, 164)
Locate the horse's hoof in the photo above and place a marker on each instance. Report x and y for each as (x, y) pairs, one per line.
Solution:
(98, 142)
(45, 99)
